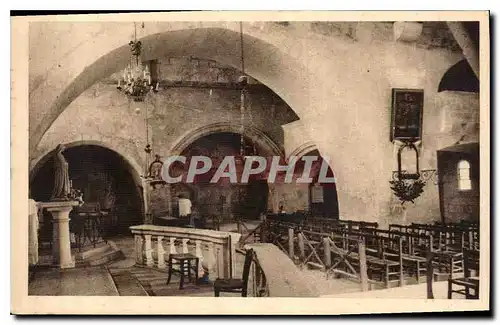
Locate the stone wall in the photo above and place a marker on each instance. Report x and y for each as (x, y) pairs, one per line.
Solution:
(459, 204)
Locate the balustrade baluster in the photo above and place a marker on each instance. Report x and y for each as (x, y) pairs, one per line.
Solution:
(198, 253)
(149, 251)
(211, 258)
(139, 259)
(161, 253)
(215, 250)
(173, 250)
(185, 249)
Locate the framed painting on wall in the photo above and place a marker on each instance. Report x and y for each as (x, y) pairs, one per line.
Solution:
(407, 114)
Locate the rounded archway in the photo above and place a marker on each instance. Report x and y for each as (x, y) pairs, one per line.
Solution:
(131, 164)
(253, 134)
(323, 198)
(105, 178)
(226, 198)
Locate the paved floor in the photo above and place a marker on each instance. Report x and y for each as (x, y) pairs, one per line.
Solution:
(91, 281)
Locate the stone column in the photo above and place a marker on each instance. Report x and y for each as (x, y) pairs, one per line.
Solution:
(61, 246)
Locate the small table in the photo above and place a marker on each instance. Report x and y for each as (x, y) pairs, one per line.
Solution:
(185, 267)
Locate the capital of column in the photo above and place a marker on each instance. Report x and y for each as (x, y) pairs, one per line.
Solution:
(59, 209)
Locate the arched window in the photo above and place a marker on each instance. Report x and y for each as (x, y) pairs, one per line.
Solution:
(464, 182)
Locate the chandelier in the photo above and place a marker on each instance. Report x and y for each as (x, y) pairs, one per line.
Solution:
(136, 79)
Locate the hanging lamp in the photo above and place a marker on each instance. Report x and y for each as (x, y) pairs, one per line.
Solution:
(136, 80)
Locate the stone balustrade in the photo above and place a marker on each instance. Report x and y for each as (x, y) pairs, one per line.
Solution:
(215, 249)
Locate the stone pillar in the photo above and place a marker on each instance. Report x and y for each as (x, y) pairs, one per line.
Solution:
(61, 240)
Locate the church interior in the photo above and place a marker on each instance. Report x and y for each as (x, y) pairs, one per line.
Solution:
(391, 107)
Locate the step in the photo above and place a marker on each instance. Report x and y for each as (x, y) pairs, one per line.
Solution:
(89, 253)
(101, 256)
(109, 256)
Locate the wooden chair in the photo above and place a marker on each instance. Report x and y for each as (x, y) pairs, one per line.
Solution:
(185, 267)
(236, 285)
(468, 282)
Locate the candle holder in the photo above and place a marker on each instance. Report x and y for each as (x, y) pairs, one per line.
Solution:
(136, 79)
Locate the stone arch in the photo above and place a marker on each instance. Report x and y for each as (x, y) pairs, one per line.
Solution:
(260, 138)
(306, 148)
(275, 71)
(113, 180)
(256, 135)
(132, 164)
(303, 149)
(329, 207)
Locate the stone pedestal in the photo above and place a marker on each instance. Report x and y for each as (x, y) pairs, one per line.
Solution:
(61, 245)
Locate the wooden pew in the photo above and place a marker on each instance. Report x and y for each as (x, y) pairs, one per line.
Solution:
(414, 265)
(380, 267)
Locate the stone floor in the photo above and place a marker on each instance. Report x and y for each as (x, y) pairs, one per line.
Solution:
(90, 281)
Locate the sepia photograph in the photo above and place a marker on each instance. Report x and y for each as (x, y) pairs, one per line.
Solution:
(231, 160)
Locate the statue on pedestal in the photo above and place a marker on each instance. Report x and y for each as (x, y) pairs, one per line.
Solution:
(62, 187)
